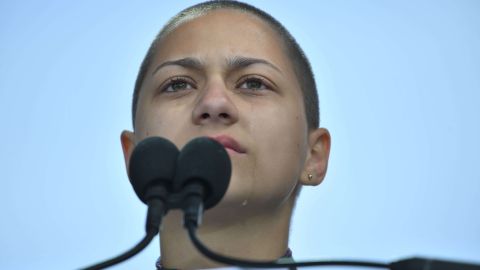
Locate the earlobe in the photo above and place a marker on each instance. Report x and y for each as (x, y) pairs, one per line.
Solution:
(128, 144)
(317, 160)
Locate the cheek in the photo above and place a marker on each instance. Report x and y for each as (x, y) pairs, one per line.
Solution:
(283, 127)
(282, 146)
(164, 121)
(284, 142)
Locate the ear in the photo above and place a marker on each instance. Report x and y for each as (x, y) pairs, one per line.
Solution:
(317, 159)
(127, 139)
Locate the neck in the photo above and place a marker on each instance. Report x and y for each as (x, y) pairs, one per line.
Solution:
(239, 234)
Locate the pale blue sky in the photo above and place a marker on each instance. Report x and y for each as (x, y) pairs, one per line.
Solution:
(399, 86)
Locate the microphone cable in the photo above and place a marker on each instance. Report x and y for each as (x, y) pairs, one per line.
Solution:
(191, 227)
(156, 210)
(126, 255)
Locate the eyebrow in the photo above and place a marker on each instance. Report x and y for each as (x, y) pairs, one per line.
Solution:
(239, 62)
(188, 62)
(233, 63)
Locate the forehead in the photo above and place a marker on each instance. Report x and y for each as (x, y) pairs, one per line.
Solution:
(223, 33)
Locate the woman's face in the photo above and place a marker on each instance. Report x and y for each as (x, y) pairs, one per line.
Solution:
(226, 75)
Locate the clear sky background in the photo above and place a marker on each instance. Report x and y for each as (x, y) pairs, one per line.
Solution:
(399, 86)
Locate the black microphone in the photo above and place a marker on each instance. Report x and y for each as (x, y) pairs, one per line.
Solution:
(151, 172)
(203, 176)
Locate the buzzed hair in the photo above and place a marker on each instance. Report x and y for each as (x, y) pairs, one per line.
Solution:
(300, 63)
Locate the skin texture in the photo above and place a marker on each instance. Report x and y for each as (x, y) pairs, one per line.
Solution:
(259, 105)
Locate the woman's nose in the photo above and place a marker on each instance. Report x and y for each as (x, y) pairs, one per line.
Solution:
(215, 107)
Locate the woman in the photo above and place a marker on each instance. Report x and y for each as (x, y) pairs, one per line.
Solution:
(229, 71)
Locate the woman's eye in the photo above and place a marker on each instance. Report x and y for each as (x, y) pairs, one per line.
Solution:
(253, 84)
(176, 85)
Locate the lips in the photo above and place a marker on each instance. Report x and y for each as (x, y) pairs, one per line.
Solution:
(229, 143)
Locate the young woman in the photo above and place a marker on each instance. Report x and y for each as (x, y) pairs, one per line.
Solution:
(229, 71)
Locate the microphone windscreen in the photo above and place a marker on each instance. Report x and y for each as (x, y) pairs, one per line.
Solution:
(152, 164)
(206, 161)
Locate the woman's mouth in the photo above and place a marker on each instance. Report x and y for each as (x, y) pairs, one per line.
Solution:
(230, 144)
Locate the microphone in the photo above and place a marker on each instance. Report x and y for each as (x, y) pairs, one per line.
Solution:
(198, 178)
(151, 172)
(203, 176)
